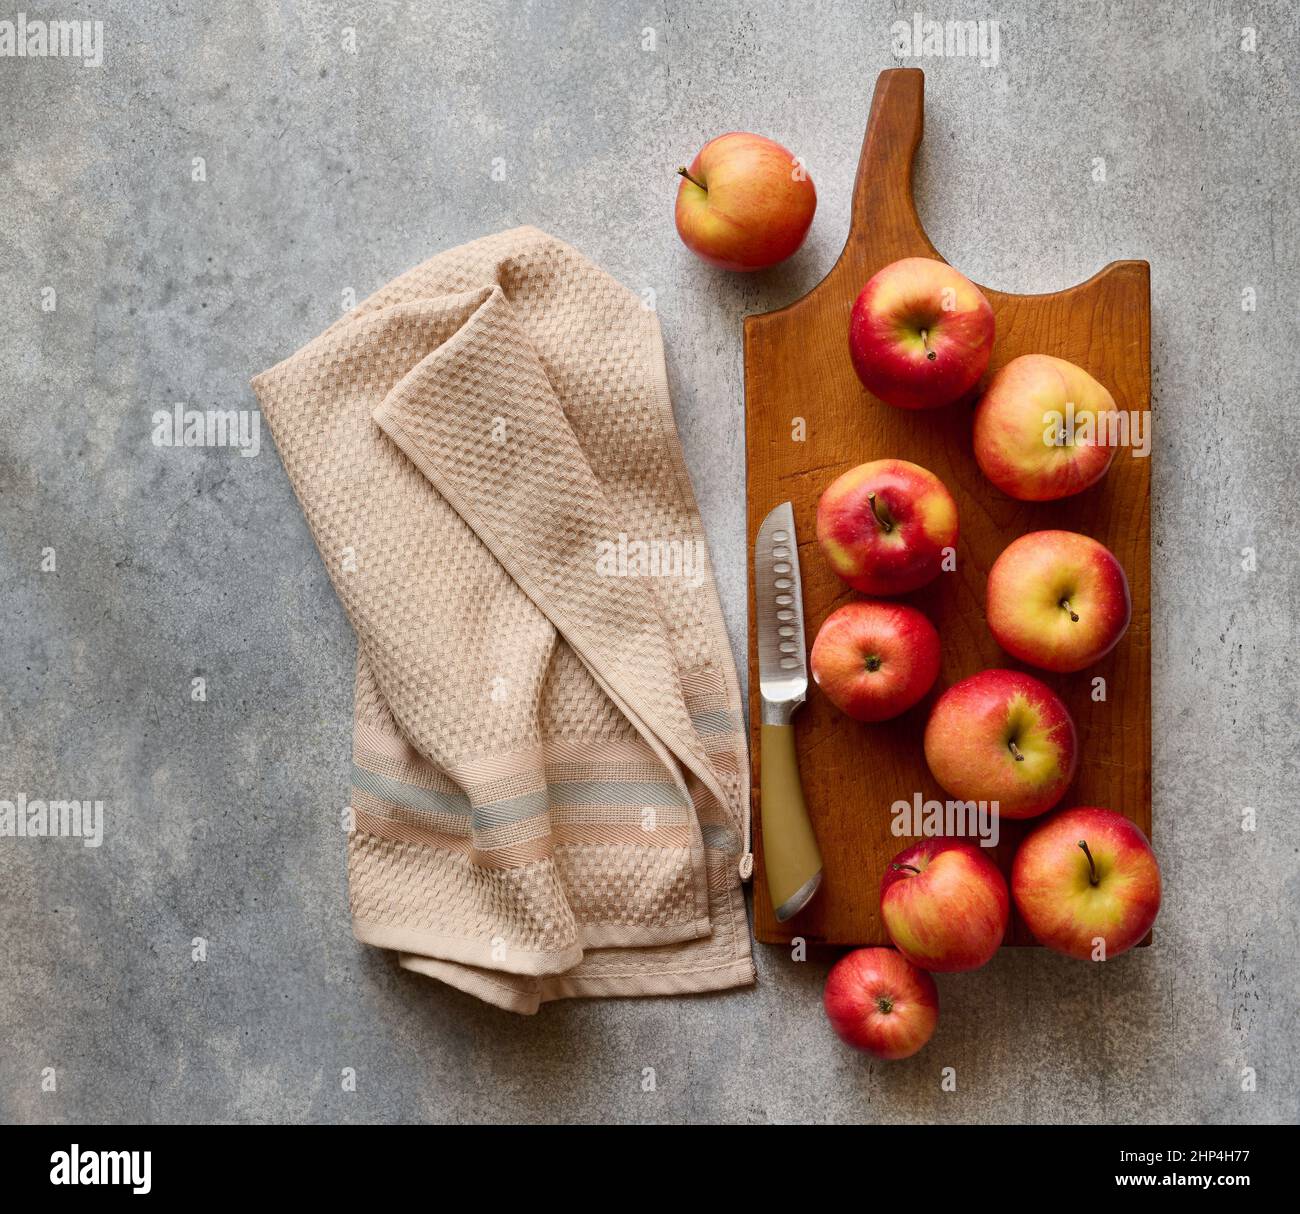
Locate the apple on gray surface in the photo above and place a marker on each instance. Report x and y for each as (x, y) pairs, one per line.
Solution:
(879, 1002)
(744, 203)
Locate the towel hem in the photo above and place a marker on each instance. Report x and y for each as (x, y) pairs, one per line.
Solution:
(457, 949)
(527, 1002)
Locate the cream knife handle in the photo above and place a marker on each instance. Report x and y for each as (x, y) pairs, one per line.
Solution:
(790, 854)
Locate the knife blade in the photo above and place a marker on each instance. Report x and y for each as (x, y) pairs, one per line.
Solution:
(791, 857)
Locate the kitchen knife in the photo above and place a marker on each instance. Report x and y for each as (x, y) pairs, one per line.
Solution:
(790, 855)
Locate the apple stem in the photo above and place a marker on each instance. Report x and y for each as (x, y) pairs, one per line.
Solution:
(910, 868)
(692, 180)
(1015, 750)
(1074, 615)
(884, 1004)
(1092, 868)
(885, 524)
(925, 341)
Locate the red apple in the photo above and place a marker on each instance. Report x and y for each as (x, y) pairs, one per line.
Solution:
(1057, 600)
(880, 1002)
(1086, 883)
(875, 660)
(884, 526)
(1002, 736)
(920, 334)
(945, 905)
(1042, 429)
(745, 203)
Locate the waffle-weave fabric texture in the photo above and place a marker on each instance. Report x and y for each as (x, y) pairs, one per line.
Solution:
(550, 790)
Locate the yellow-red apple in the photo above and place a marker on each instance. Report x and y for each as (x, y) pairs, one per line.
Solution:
(1057, 600)
(885, 526)
(878, 1001)
(1042, 429)
(945, 905)
(920, 334)
(1002, 736)
(875, 660)
(1086, 883)
(744, 203)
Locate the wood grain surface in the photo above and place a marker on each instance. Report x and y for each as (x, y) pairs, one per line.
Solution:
(797, 366)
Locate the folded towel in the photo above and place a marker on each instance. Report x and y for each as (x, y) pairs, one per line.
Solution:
(550, 787)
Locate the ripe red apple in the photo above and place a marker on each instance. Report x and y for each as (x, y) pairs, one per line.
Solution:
(945, 905)
(884, 526)
(1086, 883)
(875, 660)
(1042, 430)
(745, 203)
(880, 1002)
(1002, 736)
(1058, 600)
(920, 334)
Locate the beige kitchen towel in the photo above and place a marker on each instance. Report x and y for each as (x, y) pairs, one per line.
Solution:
(550, 784)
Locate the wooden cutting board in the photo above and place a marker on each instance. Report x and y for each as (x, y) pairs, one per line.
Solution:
(797, 366)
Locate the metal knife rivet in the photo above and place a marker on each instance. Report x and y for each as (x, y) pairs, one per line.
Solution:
(780, 551)
(784, 600)
(783, 583)
(786, 631)
(785, 614)
(788, 663)
(780, 536)
(781, 567)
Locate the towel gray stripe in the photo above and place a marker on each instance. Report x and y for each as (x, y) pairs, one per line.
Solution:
(721, 838)
(513, 809)
(716, 720)
(634, 793)
(410, 795)
(616, 792)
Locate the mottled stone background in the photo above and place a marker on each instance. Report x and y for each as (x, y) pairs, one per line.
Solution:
(328, 170)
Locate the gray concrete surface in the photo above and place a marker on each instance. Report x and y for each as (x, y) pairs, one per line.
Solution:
(328, 170)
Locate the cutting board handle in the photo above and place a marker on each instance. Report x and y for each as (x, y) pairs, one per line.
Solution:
(883, 212)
